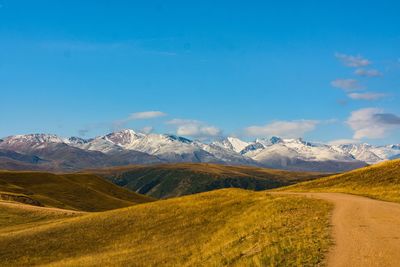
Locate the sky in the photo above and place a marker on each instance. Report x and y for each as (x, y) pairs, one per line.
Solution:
(326, 71)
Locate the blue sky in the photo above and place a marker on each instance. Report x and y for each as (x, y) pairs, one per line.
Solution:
(322, 71)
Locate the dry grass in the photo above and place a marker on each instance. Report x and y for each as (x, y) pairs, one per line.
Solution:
(86, 192)
(380, 181)
(224, 227)
(15, 217)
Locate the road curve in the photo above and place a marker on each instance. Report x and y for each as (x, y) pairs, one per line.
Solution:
(366, 231)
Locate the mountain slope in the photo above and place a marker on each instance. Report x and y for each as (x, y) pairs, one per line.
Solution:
(56, 154)
(170, 180)
(226, 155)
(296, 154)
(207, 229)
(169, 148)
(11, 160)
(368, 153)
(232, 143)
(381, 181)
(129, 147)
(84, 192)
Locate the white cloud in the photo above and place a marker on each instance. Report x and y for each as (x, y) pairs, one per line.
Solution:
(194, 128)
(346, 84)
(367, 73)
(366, 96)
(146, 115)
(372, 123)
(353, 61)
(286, 129)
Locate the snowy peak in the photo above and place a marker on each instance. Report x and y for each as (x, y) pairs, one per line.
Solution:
(361, 152)
(271, 141)
(34, 139)
(76, 141)
(274, 152)
(275, 140)
(30, 141)
(124, 138)
(368, 153)
(130, 140)
(232, 143)
(295, 149)
(252, 147)
(175, 138)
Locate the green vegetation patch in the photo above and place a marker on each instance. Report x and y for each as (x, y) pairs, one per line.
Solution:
(171, 180)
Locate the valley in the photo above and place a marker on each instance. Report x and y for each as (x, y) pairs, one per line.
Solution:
(189, 216)
(172, 180)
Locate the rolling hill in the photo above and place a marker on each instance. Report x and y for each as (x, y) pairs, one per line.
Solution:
(229, 227)
(171, 180)
(380, 181)
(84, 192)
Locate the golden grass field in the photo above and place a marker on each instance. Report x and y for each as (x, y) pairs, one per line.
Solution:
(85, 192)
(224, 227)
(89, 221)
(380, 181)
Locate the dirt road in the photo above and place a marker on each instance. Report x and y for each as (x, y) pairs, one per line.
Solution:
(366, 231)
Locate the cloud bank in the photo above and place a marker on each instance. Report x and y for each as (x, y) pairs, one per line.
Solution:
(194, 128)
(146, 115)
(353, 61)
(285, 129)
(366, 96)
(372, 123)
(346, 84)
(367, 73)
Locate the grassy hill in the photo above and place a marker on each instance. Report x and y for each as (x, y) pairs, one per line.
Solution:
(86, 192)
(225, 227)
(380, 181)
(15, 216)
(171, 180)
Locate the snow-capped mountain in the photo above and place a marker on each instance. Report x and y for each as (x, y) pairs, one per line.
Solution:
(126, 139)
(368, 153)
(299, 149)
(29, 142)
(130, 147)
(56, 153)
(297, 154)
(387, 152)
(232, 143)
(170, 148)
(361, 152)
(226, 155)
(101, 144)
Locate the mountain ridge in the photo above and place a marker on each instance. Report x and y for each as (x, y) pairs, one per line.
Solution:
(129, 147)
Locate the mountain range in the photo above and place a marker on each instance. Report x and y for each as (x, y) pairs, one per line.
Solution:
(125, 147)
